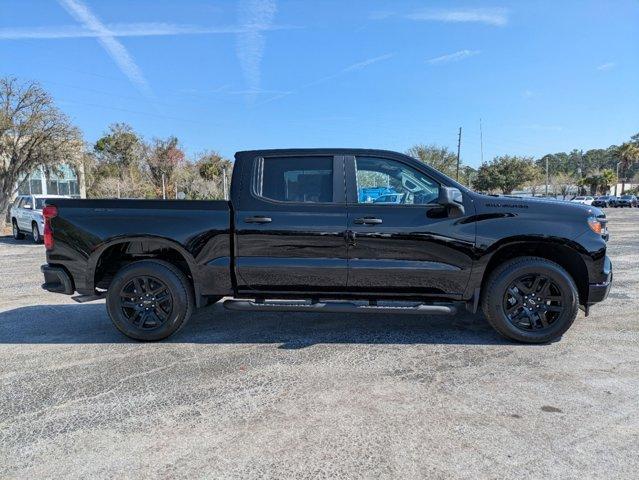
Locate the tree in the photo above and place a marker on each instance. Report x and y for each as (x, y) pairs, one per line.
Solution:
(535, 181)
(440, 158)
(592, 181)
(33, 133)
(608, 178)
(116, 169)
(505, 173)
(162, 159)
(562, 182)
(211, 166)
(628, 153)
(121, 148)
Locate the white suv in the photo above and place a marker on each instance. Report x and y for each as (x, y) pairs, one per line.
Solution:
(26, 215)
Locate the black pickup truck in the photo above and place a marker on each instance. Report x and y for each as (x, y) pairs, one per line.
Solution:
(335, 230)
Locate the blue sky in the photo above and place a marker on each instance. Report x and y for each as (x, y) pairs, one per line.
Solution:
(544, 76)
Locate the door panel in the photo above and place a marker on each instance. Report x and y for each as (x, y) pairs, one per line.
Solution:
(404, 248)
(290, 225)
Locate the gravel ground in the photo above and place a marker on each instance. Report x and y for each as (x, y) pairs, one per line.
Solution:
(237, 395)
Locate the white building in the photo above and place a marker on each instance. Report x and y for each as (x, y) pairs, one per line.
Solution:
(65, 182)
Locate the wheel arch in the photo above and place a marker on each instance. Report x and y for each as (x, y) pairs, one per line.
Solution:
(562, 253)
(112, 255)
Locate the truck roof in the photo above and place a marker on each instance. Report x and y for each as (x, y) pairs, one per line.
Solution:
(319, 151)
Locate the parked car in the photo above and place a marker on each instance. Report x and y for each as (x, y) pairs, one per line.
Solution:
(390, 199)
(25, 215)
(583, 200)
(295, 230)
(604, 201)
(626, 201)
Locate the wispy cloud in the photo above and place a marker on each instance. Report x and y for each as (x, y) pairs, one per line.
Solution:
(497, 17)
(606, 66)
(453, 57)
(111, 45)
(126, 30)
(255, 16)
(527, 94)
(350, 68)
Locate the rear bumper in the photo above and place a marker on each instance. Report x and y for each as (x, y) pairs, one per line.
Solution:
(597, 292)
(57, 280)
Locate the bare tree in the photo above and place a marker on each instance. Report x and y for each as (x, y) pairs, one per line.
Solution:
(33, 133)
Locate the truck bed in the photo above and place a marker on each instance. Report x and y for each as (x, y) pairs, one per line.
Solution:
(199, 230)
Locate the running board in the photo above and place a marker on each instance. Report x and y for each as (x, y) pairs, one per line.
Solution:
(338, 307)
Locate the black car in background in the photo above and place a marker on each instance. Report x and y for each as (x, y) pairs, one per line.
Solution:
(626, 201)
(605, 201)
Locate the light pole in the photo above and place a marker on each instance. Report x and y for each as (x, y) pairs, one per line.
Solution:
(546, 175)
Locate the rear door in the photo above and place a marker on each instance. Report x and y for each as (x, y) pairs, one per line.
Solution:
(408, 248)
(290, 224)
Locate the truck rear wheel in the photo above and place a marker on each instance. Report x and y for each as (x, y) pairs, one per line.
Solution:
(17, 234)
(531, 300)
(149, 300)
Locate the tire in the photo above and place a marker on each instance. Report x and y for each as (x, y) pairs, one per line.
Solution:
(17, 234)
(159, 313)
(35, 233)
(533, 321)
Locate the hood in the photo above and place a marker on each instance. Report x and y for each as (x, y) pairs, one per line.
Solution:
(506, 202)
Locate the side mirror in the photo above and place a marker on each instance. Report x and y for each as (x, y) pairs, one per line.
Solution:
(452, 199)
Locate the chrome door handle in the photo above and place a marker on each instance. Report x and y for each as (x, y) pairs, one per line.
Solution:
(258, 219)
(367, 221)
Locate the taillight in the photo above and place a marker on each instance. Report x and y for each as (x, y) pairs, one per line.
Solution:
(48, 213)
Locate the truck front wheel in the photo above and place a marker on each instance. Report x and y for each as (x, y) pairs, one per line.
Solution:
(149, 300)
(530, 299)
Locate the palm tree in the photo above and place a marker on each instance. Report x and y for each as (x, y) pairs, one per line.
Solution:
(628, 154)
(607, 179)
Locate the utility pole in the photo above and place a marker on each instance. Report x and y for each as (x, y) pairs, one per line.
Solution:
(481, 141)
(546, 175)
(163, 188)
(224, 183)
(458, 151)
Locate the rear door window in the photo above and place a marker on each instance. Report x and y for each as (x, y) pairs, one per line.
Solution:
(295, 179)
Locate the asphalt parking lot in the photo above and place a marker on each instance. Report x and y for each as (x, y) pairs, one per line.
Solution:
(237, 395)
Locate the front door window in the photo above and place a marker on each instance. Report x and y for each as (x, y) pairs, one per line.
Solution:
(389, 182)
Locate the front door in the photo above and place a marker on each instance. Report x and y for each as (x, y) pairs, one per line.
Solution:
(403, 242)
(290, 225)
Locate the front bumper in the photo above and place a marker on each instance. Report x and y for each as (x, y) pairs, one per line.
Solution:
(597, 292)
(57, 280)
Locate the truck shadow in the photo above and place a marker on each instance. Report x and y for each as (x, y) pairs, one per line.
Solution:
(89, 323)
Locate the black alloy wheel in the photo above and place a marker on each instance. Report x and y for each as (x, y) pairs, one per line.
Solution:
(533, 302)
(150, 300)
(530, 300)
(146, 302)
